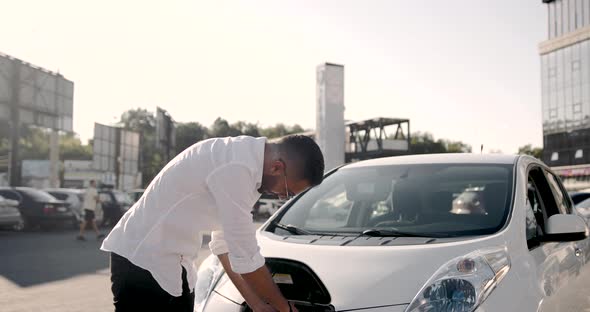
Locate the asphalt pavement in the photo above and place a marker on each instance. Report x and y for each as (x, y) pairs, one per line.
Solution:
(52, 271)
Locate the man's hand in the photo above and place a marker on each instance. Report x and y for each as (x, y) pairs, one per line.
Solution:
(262, 283)
(263, 307)
(293, 308)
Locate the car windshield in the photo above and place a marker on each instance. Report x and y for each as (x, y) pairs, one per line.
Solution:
(122, 198)
(436, 199)
(37, 195)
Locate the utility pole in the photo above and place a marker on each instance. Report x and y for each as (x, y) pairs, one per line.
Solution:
(118, 159)
(14, 169)
(54, 145)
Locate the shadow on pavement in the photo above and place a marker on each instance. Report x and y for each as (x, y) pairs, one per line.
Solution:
(32, 258)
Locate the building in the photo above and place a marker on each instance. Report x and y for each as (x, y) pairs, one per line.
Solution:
(565, 84)
(330, 133)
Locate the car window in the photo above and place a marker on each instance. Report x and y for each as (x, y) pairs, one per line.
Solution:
(105, 198)
(561, 197)
(535, 219)
(541, 204)
(547, 199)
(449, 199)
(122, 198)
(10, 195)
(37, 195)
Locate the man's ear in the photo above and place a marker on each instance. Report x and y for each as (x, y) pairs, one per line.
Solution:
(277, 168)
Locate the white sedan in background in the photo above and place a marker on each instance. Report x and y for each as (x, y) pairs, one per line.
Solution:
(423, 233)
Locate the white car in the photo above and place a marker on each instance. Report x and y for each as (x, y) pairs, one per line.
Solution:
(268, 205)
(401, 245)
(10, 216)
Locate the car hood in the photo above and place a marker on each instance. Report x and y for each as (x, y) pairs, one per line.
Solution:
(369, 276)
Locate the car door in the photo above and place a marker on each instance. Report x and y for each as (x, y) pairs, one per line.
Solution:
(9, 194)
(578, 299)
(556, 263)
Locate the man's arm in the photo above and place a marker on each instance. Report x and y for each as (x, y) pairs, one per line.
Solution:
(231, 186)
(249, 295)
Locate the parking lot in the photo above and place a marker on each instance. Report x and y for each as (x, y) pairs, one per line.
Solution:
(51, 271)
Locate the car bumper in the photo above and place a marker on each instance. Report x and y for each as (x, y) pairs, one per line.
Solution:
(10, 220)
(62, 217)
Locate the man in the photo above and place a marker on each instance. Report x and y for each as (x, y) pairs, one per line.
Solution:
(89, 206)
(211, 186)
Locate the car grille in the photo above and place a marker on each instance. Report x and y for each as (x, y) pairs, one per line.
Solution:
(302, 307)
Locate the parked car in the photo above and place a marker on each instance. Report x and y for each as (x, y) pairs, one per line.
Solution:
(73, 197)
(114, 204)
(135, 194)
(584, 208)
(267, 205)
(401, 247)
(39, 208)
(580, 196)
(10, 217)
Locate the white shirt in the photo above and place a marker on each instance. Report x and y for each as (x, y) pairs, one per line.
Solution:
(211, 186)
(90, 199)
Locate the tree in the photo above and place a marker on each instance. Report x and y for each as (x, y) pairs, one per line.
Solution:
(142, 121)
(221, 128)
(71, 148)
(528, 149)
(280, 130)
(33, 143)
(139, 120)
(188, 134)
(4, 137)
(424, 143)
(246, 128)
(457, 147)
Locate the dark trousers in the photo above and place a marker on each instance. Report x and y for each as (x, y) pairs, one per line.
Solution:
(134, 289)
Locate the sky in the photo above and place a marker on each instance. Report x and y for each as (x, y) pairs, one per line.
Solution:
(464, 70)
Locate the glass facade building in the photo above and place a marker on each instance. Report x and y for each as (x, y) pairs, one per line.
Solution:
(565, 83)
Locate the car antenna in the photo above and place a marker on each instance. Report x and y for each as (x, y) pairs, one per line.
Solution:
(481, 150)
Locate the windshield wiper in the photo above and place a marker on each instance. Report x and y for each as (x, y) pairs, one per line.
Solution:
(398, 233)
(293, 229)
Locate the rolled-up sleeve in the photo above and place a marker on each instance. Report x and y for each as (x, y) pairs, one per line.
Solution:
(232, 187)
(218, 246)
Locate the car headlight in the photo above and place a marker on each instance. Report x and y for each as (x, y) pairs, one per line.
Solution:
(207, 277)
(462, 284)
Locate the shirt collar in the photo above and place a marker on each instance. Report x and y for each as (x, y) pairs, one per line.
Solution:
(259, 152)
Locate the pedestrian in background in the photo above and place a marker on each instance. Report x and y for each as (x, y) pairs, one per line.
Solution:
(91, 200)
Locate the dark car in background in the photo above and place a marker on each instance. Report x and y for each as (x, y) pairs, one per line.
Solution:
(39, 208)
(135, 194)
(578, 197)
(10, 217)
(114, 204)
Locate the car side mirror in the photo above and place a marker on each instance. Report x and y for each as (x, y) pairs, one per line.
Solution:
(565, 228)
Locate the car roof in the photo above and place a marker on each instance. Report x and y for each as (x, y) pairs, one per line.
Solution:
(64, 190)
(459, 158)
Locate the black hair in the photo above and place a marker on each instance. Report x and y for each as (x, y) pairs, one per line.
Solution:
(305, 154)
